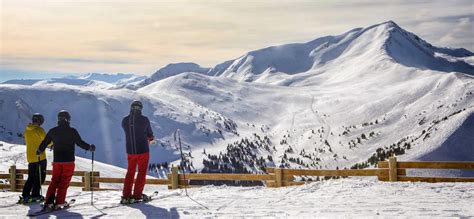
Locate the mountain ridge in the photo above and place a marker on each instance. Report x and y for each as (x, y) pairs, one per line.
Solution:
(356, 105)
(296, 58)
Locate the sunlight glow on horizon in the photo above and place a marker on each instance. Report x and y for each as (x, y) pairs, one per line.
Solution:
(141, 36)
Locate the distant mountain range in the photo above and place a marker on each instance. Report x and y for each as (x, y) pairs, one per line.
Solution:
(91, 79)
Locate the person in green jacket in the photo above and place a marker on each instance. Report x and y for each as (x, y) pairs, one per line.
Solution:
(34, 135)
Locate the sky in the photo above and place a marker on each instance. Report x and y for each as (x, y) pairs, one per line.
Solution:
(52, 38)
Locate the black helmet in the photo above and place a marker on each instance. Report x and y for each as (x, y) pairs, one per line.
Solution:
(136, 105)
(63, 115)
(38, 118)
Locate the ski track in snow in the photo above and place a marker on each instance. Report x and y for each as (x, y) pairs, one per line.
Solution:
(321, 121)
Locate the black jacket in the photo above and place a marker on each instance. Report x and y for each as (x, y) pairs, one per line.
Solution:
(64, 139)
(137, 133)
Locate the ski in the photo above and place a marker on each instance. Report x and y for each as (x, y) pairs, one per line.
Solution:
(49, 210)
(150, 198)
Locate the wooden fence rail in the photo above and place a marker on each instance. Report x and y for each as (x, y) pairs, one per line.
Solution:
(395, 167)
(390, 170)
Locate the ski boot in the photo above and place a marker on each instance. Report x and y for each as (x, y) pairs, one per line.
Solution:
(46, 207)
(126, 201)
(37, 199)
(24, 200)
(63, 205)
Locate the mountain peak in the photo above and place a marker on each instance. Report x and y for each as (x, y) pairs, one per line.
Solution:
(390, 23)
(383, 40)
(176, 68)
(173, 69)
(179, 65)
(410, 50)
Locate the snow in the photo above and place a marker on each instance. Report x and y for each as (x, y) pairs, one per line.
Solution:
(350, 197)
(333, 198)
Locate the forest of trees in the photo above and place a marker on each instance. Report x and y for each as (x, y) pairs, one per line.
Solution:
(244, 156)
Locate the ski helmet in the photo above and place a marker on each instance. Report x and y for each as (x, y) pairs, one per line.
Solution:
(37, 118)
(136, 105)
(63, 115)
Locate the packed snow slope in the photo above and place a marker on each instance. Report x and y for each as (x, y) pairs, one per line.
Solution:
(352, 197)
(345, 198)
(337, 101)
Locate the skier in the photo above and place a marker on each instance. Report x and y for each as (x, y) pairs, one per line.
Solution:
(34, 135)
(138, 136)
(64, 138)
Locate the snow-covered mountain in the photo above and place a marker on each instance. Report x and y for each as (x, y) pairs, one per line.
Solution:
(170, 70)
(116, 79)
(119, 79)
(337, 101)
(356, 47)
(98, 80)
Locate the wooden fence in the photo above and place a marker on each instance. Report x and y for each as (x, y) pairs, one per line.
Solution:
(390, 170)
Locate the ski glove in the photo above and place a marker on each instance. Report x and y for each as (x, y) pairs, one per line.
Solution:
(151, 140)
(92, 147)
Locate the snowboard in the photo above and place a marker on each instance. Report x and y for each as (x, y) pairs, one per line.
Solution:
(49, 210)
(150, 198)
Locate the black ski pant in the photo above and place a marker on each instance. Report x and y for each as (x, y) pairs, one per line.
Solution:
(33, 183)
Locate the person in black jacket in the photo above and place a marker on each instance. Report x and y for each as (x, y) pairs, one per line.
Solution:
(64, 139)
(138, 135)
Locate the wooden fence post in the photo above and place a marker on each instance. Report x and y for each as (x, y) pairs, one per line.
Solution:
(392, 169)
(94, 178)
(13, 178)
(278, 177)
(174, 177)
(87, 181)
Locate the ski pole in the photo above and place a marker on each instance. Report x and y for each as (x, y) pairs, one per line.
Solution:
(184, 174)
(39, 175)
(182, 161)
(92, 180)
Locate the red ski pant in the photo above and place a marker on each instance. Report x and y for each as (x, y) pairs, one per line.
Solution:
(133, 160)
(62, 174)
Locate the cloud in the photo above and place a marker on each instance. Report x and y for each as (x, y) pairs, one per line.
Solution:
(114, 47)
(69, 65)
(460, 34)
(446, 31)
(83, 60)
(11, 60)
